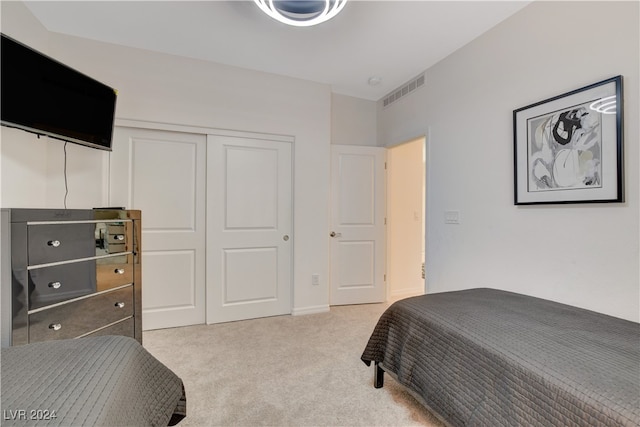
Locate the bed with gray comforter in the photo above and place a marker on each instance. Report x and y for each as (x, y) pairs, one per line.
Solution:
(99, 381)
(484, 357)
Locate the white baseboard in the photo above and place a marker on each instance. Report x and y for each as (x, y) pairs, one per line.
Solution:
(310, 310)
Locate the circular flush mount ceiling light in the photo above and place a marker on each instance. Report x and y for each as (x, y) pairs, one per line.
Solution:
(301, 13)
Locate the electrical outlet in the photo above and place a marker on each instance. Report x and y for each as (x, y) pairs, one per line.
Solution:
(452, 217)
(315, 279)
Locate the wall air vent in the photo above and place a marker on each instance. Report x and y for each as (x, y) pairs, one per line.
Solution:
(403, 90)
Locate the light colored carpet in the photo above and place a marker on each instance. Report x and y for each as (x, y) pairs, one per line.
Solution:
(285, 371)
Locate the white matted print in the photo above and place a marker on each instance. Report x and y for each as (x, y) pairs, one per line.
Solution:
(568, 149)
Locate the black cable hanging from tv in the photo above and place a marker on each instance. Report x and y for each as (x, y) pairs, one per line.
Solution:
(66, 184)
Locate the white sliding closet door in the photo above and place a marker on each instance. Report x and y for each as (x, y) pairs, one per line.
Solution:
(249, 226)
(163, 174)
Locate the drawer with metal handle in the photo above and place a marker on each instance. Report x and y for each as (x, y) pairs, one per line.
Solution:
(80, 317)
(58, 283)
(49, 243)
(111, 276)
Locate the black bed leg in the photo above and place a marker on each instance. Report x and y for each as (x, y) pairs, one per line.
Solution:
(378, 376)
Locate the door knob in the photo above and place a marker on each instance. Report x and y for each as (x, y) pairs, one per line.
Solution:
(285, 237)
(334, 234)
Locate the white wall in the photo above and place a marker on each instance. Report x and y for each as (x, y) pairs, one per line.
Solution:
(32, 168)
(585, 255)
(164, 88)
(353, 121)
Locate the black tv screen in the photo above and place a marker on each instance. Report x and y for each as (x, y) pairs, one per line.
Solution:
(46, 97)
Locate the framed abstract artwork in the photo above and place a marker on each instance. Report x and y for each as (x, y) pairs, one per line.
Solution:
(568, 149)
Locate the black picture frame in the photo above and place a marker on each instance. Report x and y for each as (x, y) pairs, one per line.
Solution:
(568, 149)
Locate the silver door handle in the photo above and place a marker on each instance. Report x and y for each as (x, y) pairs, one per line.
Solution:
(119, 304)
(285, 237)
(334, 234)
(119, 271)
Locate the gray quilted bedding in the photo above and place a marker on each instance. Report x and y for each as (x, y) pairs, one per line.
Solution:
(484, 357)
(99, 381)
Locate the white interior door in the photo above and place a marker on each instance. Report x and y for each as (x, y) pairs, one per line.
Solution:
(357, 224)
(249, 225)
(162, 173)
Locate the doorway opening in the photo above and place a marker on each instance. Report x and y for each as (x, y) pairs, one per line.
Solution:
(406, 178)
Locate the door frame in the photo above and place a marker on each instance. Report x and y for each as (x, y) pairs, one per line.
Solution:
(426, 148)
(424, 140)
(174, 127)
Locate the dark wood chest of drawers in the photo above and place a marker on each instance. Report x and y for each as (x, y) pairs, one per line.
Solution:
(73, 273)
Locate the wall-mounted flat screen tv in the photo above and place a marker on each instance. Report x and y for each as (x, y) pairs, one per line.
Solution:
(46, 97)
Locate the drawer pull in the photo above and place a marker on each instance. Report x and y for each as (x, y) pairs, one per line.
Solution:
(119, 271)
(119, 237)
(55, 285)
(55, 326)
(54, 243)
(120, 304)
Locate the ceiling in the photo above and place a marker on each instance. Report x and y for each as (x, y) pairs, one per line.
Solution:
(392, 40)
